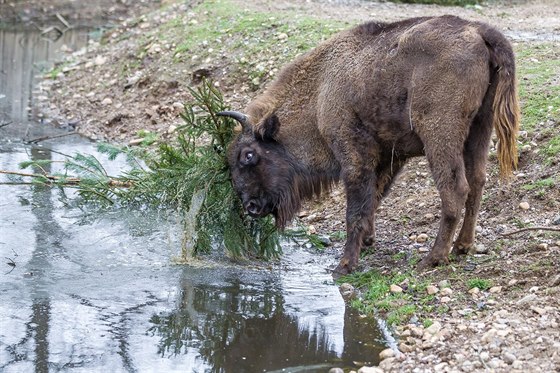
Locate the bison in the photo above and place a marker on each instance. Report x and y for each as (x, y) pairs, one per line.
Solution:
(359, 105)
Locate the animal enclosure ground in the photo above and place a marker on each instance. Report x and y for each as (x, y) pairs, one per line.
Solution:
(143, 69)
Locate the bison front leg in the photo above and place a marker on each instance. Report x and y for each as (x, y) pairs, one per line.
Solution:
(359, 222)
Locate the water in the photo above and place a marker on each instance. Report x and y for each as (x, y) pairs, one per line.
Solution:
(87, 291)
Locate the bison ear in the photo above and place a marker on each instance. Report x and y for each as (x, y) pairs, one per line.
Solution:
(268, 129)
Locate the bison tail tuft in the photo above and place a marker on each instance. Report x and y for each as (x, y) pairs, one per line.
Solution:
(506, 113)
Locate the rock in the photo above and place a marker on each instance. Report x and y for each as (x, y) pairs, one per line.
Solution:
(474, 290)
(100, 60)
(527, 299)
(509, 358)
(467, 366)
(395, 289)
(445, 299)
(524, 206)
(403, 347)
(106, 101)
(443, 284)
(135, 142)
(347, 291)
(386, 353)
(172, 128)
(555, 281)
(434, 328)
(512, 282)
(416, 331)
(481, 249)
(422, 237)
(429, 216)
(538, 310)
(495, 363)
(370, 370)
(336, 370)
(387, 364)
(311, 230)
(446, 292)
(325, 240)
(556, 221)
(542, 246)
(431, 289)
(484, 356)
(495, 289)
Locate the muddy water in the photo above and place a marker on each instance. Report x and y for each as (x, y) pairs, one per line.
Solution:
(90, 291)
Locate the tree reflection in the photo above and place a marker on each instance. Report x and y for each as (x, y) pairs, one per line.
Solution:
(239, 329)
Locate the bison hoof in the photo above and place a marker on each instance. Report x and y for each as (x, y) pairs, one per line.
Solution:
(430, 262)
(461, 249)
(343, 268)
(368, 241)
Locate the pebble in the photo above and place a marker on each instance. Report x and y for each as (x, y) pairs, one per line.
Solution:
(336, 370)
(555, 281)
(509, 358)
(524, 206)
(416, 331)
(527, 299)
(422, 237)
(370, 370)
(347, 291)
(172, 128)
(446, 292)
(445, 299)
(100, 60)
(474, 290)
(495, 289)
(431, 289)
(542, 246)
(106, 101)
(135, 142)
(395, 289)
(386, 353)
(443, 284)
(434, 328)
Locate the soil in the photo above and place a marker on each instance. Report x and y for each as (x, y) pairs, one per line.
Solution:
(512, 326)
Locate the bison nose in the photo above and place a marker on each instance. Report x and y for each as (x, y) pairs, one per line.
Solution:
(253, 207)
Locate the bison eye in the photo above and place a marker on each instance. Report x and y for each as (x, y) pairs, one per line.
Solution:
(248, 157)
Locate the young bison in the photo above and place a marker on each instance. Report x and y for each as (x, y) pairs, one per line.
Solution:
(359, 105)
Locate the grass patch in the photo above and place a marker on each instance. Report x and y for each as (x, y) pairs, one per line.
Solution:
(396, 308)
(538, 67)
(480, 283)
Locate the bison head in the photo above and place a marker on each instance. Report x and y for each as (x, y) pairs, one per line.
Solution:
(263, 173)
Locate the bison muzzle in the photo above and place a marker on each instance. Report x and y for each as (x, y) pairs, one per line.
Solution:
(359, 105)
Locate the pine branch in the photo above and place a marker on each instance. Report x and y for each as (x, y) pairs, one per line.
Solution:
(68, 180)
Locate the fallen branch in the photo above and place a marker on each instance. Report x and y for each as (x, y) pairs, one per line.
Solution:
(66, 180)
(531, 229)
(43, 138)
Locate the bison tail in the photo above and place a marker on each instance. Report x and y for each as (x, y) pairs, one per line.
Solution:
(506, 113)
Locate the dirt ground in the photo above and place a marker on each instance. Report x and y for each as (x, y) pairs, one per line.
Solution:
(513, 325)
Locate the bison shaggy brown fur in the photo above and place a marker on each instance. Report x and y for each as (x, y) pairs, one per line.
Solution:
(356, 107)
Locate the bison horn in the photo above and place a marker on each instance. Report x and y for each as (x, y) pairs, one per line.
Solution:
(240, 117)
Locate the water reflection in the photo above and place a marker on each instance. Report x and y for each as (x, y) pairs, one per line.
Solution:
(240, 329)
(24, 54)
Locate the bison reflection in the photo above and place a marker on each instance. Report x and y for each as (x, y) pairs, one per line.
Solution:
(359, 105)
(239, 330)
(253, 334)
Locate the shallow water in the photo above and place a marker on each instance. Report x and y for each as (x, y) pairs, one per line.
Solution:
(91, 291)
